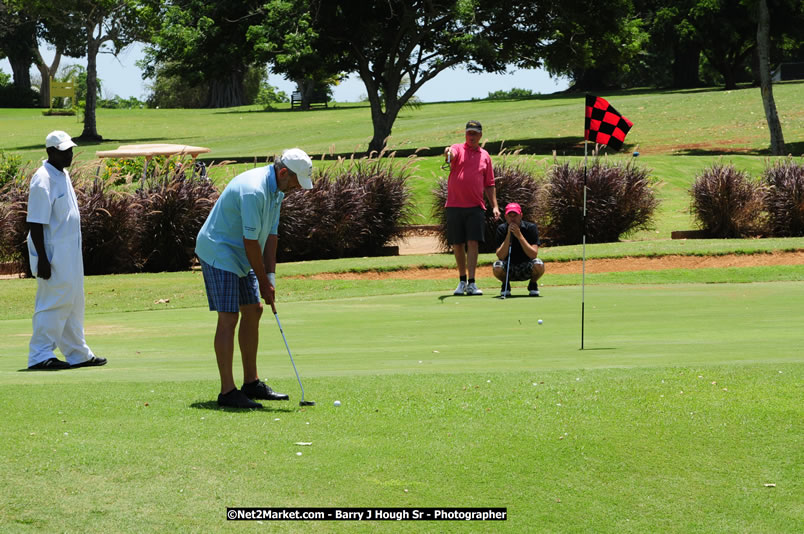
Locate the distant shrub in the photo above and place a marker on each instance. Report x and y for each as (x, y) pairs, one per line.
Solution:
(726, 202)
(118, 102)
(269, 95)
(354, 208)
(12, 96)
(129, 170)
(10, 167)
(171, 209)
(513, 94)
(784, 198)
(620, 200)
(513, 182)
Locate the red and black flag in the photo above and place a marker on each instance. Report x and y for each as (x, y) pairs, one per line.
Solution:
(604, 124)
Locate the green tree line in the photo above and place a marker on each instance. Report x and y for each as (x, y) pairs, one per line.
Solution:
(396, 46)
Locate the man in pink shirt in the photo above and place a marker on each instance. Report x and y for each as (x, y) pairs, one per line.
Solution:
(470, 177)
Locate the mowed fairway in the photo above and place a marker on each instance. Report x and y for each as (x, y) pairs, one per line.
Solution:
(685, 405)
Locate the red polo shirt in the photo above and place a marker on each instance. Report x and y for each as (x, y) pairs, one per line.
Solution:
(470, 173)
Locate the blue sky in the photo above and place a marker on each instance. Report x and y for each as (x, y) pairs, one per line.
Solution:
(120, 76)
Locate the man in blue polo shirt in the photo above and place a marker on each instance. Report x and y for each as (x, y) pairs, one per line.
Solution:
(237, 248)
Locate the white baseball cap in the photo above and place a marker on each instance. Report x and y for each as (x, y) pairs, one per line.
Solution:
(300, 164)
(59, 140)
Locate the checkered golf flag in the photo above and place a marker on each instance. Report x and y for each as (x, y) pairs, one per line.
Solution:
(604, 124)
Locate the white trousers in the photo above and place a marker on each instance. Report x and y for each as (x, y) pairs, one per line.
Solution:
(58, 319)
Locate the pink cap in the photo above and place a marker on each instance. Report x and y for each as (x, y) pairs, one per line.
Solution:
(513, 206)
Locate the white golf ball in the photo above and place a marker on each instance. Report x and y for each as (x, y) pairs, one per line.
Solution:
(540, 321)
(337, 403)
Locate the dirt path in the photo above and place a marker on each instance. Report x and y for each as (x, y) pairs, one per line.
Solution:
(595, 266)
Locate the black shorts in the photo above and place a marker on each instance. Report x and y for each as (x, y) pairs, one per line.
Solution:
(465, 224)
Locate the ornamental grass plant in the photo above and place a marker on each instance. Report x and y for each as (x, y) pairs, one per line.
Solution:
(726, 202)
(784, 198)
(620, 200)
(354, 208)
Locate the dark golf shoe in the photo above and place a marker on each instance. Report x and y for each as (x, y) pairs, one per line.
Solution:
(52, 364)
(236, 399)
(260, 390)
(95, 361)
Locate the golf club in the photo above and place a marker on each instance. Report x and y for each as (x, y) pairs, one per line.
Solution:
(302, 402)
(507, 269)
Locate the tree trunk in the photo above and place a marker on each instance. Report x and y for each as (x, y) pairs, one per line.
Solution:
(21, 69)
(226, 92)
(46, 73)
(686, 61)
(90, 132)
(763, 43)
(305, 87)
(383, 122)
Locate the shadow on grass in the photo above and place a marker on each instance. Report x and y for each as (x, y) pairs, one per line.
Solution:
(795, 149)
(213, 405)
(83, 144)
(247, 111)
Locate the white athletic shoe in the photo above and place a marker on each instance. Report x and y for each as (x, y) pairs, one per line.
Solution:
(472, 289)
(461, 289)
(505, 293)
(533, 293)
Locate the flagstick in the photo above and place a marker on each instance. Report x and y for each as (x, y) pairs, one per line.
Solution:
(583, 263)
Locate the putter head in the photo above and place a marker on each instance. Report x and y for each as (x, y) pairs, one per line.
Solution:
(306, 403)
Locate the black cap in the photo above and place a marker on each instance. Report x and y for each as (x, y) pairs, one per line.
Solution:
(474, 126)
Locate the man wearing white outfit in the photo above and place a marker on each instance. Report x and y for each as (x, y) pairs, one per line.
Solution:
(54, 248)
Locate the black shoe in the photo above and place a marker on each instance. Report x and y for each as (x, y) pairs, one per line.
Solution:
(53, 364)
(260, 390)
(95, 361)
(533, 289)
(505, 292)
(236, 399)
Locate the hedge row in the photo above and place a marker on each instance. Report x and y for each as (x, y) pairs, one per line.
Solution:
(354, 209)
(619, 200)
(727, 202)
(152, 229)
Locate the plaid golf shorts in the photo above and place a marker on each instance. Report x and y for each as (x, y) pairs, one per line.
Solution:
(226, 291)
(519, 271)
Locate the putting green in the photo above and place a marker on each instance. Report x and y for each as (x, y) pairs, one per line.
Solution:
(436, 332)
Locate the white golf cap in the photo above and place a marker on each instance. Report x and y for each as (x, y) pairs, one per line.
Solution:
(59, 140)
(300, 164)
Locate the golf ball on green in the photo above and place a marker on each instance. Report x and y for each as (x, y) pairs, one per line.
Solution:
(337, 403)
(540, 321)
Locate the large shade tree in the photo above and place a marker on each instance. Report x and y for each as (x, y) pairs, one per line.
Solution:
(206, 43)
(105, 25)
(397, 42)
(286, 38)
(594, 44)
(17, 41)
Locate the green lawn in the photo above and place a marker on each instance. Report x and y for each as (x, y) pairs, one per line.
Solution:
(697, 122)
(680, 411)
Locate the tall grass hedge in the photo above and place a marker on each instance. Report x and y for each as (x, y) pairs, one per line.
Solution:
(620, 200)
(727, 202)
(354, 208)
(784, 198)
(123, 231)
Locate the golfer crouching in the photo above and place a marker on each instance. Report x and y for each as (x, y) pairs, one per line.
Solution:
(517, 248)
(237, 249)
